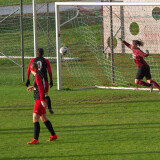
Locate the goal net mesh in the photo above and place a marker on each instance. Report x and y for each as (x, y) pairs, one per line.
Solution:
(10, 37)
(87, 35)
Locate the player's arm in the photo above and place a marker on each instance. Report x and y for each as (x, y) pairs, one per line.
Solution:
(39, 83)
(49, 72)
(125, 43)
(28, 73)
(142, 54)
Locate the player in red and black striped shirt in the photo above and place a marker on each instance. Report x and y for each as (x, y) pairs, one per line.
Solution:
(43, 67)
(143, 67)
(40, 105)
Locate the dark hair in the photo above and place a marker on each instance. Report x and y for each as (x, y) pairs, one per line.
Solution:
(138, 42)
(34, 65)
(40, 52)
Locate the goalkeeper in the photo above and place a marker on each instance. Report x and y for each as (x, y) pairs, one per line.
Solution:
(143, 67)
(43, 66)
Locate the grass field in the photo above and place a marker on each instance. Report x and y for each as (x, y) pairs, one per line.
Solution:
(11, 74)
(91, 124)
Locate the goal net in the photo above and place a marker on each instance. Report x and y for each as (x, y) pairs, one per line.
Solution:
(91, 32)
(10, 37)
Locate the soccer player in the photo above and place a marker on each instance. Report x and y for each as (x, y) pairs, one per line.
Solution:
(143, 67)
(43, 66)
(40, 105)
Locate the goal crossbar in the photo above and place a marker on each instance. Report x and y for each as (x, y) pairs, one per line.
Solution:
(107, 4)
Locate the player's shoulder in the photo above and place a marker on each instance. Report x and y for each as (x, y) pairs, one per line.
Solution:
(36, 59)
(32, 60)
(136, 50)
(140, 50)
(39, 58)
(46, 59)
(42, 59)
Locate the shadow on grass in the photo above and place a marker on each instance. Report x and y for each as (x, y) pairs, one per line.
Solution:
(84, 128)
(20, 109)
(92, 113)
(86, 155)
(102, 103)
(12, 108)
(103, 113)
(89, 102)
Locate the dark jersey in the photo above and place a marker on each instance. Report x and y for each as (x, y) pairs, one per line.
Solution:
(43, 66)
(39, 87)
(137, 55)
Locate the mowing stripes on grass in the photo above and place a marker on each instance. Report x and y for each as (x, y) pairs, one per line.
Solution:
(90, 124)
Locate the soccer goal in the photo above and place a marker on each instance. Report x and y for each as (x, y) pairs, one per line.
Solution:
(90, 31)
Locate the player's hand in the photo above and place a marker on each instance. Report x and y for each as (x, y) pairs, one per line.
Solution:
(30, 88)
(27, 83)
(51, 84)
(44, 104)
(147, 52)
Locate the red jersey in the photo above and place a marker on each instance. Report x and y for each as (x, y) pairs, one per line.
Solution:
(137, 55)
(43, 66)
(39, 87)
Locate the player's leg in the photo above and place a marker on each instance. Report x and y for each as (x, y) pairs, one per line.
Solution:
(151, 85)
(140, 75)
(142, 83)
(36, 129)
(48, 98)
(154, 83)
(49, 126)
(149, 79)
(36, 126)
(49, 103)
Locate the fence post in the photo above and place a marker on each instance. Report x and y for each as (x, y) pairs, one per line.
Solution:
(22, 38)
(111, 43)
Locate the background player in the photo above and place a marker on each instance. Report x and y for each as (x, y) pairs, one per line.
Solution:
(43, 66)
(40, 105)
(143, 67)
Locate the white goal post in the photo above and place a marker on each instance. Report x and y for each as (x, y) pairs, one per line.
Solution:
(107, 66)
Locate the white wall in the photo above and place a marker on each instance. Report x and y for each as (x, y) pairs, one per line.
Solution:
(149, 28)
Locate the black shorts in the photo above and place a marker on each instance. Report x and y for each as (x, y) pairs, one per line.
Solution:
(143, 71)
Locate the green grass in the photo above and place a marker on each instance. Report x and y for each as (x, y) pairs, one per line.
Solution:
(90, 124)
(134, 28)
(11, 74)
(11, 38)
(82, 73)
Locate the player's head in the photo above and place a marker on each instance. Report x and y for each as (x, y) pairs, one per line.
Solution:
(136, 43)
(34, 67)
(40, 52)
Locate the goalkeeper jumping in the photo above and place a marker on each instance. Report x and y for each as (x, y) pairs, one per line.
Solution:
(143, 67)
(43, 67)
